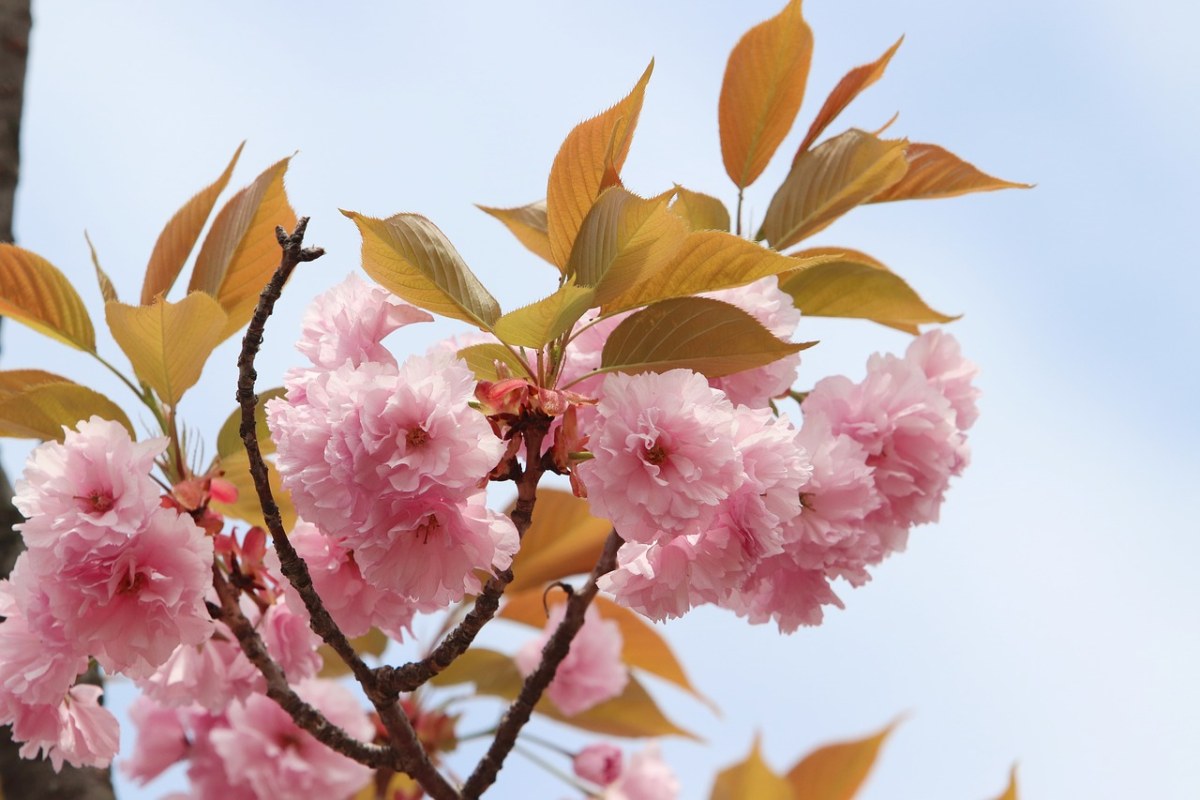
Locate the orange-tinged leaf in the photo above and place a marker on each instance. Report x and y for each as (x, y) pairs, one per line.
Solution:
(623, 240)
(708, 336)
(762, 92)
(528, 224)
(373, 643)
(642, 646)
(1010, 792)
(229, 439)
(36, 405)
(593, 149)
(849, 87)
(564, 539)
(705, 262)
(107, 290)
(537, 324)
(168, 343)
(752, 778)
(855, 285)
(828, 181)
(701, 212)
(836, 771)
(237, 471)
(34, 292)
(411, 257)
(935, 172)
(482, 358)
(179, 236)
(240, 252)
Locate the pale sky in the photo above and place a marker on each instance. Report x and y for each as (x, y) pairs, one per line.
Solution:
(1051, 617)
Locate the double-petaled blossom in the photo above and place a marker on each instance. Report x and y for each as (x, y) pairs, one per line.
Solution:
(645, 777)
(775, 310)
(591, 673)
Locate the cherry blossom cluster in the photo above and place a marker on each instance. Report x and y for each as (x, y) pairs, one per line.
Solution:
(645, 777)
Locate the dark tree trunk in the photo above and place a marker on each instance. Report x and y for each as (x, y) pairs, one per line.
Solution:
(21, 779)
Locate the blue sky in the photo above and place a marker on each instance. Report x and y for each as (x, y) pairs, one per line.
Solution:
(1051, 617)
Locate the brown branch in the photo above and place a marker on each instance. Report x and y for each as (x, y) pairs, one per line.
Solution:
(531, 691)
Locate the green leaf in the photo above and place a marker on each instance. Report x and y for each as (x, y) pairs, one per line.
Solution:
(837, 771)
(828, 181)
(107, 290)
(482, 358)
(700, 211)
(371, 643)
(537, 324)
(934, 172)
(179, 236)
(240, 252)
(410, 256)
(622, 240)
(762, 92)
(752, 778)
(852, 84)
(34, 292)
(708, 336)
(36, 405)
(168, 343)
(229, 439)
(707, 261)
(856, 285)
(564, 539)
(528, 224)
(589, 159)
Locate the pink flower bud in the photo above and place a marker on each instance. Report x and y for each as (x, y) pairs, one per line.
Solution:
(598, 763)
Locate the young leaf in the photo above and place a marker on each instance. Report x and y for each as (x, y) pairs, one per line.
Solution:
(564, 539)
(700, 211)
(935, 172)
(237, 471)
(528, 224)
(593, 149)
(373, 643)
(34, 292)
(168, 343)
(837, 771)
(179, 236)
(708, 261)
(828, 181)
(411, 257)
(642, 646)
(623, 240)
(482, 358)
(107, 290)
(708, 336)
(229, 439)
(752, 778)
(1010, 791)
(856, 285)
(240, 252)
(762, 92)
(852, 84)
(538, 323)
(36, 405)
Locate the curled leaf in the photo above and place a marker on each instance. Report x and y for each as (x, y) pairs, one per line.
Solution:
(849, 87)
(107, 290)
(528, 224)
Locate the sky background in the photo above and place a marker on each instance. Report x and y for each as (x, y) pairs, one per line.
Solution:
(1051, 618)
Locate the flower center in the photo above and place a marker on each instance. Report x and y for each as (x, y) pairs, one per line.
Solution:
(132, 583)
(655, 454)
(417, 437)
(97, 501)
(428, 525)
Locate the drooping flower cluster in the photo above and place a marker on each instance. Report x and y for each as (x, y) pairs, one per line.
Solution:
(388, 461)
(108, 573)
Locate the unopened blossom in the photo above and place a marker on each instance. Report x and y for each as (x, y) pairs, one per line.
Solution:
(645, 777)
(593, 670)
(775, 310)
(664, 454)
(77, 730)
(599, 763)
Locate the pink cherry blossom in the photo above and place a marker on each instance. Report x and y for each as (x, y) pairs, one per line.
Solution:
(161, 740)
(664, 454)
(78, 730)
(653, 579)
(599, 763)
(591, 673)
(38, 661)
(763, 300)
(647, 777)
(937, 354)
(289, 639)
(781, 590)
(211, 674)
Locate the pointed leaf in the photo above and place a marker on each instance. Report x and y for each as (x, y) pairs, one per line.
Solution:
(1010, 792)
(594, 149)
(700, 211)
(708, 336)
(411, 257)
(482, 358)
(762, 91)
(373, 643)
(837, 771)
(856, 285)
(642, 646)
(752, 778)
(828, 181)
(229, 439)
(179, 236)
(240, 252)
(564, 539)
(237, 471)
(623, 240)
(537, 324)
(708, 261)
(36, 405)
(852, 84)
(935, 172)
(34, 292)
(168, 343)
(528, 224)
(107, 290)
